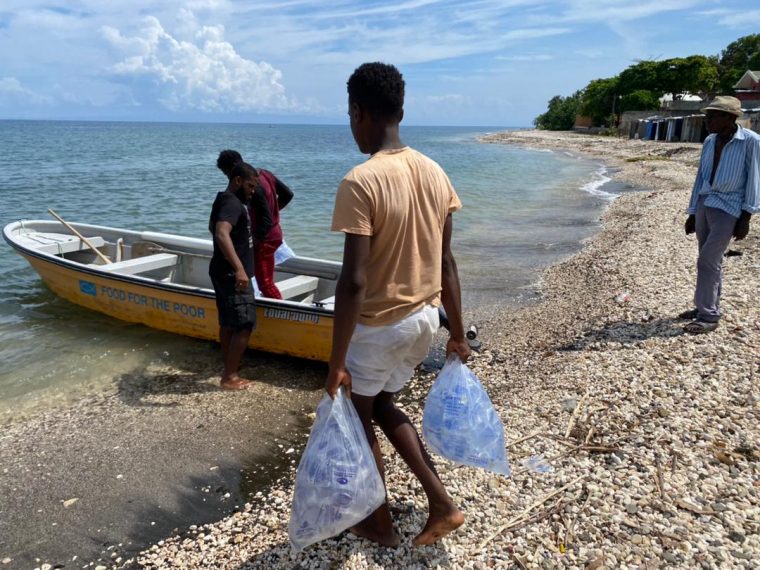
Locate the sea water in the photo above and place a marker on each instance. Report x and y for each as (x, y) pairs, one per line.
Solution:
(523, 210)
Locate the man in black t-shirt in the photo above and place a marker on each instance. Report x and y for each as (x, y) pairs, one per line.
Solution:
(231, 270)
(271, 196)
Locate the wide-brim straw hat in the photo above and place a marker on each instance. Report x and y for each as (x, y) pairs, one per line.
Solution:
(726, 104)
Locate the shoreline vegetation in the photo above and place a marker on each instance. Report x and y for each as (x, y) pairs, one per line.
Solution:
(652, 434)
(643, 85)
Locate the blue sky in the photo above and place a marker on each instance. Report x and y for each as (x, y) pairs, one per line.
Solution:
(486, 62)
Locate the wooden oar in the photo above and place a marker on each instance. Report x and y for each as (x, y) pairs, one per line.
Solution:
(80, 236)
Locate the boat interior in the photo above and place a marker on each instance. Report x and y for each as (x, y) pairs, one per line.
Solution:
(168, 258)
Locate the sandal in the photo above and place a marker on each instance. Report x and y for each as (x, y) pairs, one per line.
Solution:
(691, 314)
(700, 327)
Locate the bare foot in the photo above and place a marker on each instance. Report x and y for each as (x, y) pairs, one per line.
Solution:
(439, 526)
(383, 539)
(235, 384)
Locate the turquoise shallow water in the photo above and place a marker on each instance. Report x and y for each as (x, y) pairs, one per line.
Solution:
(524, 209)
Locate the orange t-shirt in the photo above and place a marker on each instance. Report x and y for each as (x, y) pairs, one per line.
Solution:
(400, 198)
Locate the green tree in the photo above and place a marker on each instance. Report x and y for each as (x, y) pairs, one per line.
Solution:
(738, 57)
(696, 74)
(640, 86)
(560, 116)
(598, 100)
(639, 100)
(646, 75)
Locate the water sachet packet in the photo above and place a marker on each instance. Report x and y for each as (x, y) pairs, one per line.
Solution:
(537, 464)
(283, 253)
(460, 423)
(337, 481)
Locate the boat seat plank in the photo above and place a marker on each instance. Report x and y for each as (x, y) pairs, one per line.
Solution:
(70, 246)
(142, 264)
(298, 285)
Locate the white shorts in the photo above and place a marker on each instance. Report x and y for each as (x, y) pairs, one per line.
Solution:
(383, 359)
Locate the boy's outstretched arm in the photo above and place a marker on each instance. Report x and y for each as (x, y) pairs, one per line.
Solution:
(451, 296)
(349, 294)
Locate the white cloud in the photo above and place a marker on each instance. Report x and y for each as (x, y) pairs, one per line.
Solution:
(94, 94)
(293, 56)
(621, 10)
(407, 45)
(741, 19)
(534, 33)
(387, 8)
(205, 74)
(591, 53)
(448, 98)
(12, 91)
(526, 57)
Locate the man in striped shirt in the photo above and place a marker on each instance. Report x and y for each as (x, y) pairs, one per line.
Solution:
(725, 195)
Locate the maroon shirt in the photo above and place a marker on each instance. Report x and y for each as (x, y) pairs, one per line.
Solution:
(267, 184)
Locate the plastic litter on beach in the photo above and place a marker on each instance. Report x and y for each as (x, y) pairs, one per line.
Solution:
(623, 298)
(537, 464)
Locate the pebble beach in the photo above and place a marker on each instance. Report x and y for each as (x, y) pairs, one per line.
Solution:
(652, 435)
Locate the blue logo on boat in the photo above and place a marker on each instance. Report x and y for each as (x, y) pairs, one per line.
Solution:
(88, 288)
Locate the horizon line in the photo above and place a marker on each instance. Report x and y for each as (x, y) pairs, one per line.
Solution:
(262, 123)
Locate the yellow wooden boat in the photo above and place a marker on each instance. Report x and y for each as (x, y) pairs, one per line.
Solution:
(161, 280)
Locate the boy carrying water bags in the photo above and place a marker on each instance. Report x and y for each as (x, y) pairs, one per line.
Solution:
(395, 210)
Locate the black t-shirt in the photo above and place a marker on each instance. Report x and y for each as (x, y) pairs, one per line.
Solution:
(228, 208)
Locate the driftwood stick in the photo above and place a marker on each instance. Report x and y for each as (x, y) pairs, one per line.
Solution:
(600, 448)
(571, 530)
(589, 448)
(512, 521)
(584, 446)
(575, 414)
(525, 512)
(660, 478)
(554, 509)
(590, 434)
(526, 438)
(688, 506)
(581, 447)
(568, 524)
(517, 559)
(521, 521)
(657, 484)
(560, 439)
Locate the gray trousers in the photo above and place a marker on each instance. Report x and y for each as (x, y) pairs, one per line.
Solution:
(715, 229)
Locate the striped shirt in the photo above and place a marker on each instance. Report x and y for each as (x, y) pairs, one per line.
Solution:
(736, 186)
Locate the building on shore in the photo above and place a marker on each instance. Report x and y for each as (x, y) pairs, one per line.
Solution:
(747, 89)
(678, 120)
(679, 117)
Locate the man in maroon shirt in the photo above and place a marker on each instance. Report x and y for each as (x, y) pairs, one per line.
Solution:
(277, 196)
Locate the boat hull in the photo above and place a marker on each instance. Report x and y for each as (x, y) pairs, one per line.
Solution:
(283, 329)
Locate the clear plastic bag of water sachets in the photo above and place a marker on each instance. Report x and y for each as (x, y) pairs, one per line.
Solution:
(337, 481)
(460, 423)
